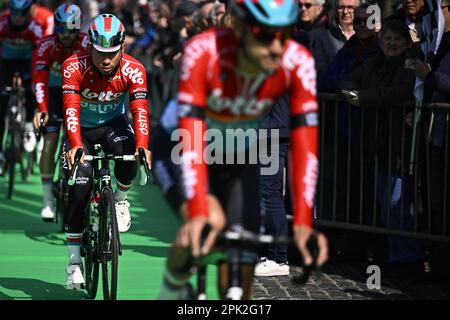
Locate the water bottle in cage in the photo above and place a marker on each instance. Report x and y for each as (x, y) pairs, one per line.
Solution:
(94, 212)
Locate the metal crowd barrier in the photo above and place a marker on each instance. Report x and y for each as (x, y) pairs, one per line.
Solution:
(365, 183)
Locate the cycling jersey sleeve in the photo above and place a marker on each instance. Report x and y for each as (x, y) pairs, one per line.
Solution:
(40, 74)
(71, 80)
(304, 134)
(192, 95)
(139, 109)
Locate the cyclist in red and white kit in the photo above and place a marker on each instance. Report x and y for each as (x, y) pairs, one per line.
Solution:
(95, 87)
(230, 78)
(48, 58)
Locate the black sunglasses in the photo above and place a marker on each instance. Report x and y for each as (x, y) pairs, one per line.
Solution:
(266, 36)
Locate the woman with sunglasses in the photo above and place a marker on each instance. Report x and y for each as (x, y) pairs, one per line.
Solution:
(19, 33)
(230, 79)
(48, 58)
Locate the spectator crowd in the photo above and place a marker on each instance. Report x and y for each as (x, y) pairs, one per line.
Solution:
(368, 55)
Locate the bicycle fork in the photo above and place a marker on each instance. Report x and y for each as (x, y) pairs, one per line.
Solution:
(235, 291)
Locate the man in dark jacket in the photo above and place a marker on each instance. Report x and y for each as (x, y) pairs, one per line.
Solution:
(313, 15)
(436, 76)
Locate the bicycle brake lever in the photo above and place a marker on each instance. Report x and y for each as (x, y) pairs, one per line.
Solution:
(145, 173)
(41, 126)
(313, 248)
(73, 171)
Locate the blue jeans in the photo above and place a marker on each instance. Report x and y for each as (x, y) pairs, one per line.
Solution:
(273, 206)
(401, 248)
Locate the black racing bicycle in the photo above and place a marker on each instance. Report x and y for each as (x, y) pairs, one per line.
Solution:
(229, 246)
(101, 241)
(15, 119)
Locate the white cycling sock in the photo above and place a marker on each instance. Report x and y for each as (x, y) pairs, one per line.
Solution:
(121, 192)
(47, 187)
(73, 246)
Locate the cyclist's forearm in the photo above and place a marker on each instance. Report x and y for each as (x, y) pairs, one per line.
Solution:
(304, 172)
(71, 108)
(194, 169)
(139, 110)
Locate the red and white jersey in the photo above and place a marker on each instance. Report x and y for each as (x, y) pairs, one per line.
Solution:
(48, 59)
(91, 99)
(18, 43)
(210, 87)
(44, 17)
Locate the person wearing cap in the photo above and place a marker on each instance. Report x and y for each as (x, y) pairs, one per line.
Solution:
(48, 58)
(19, 34)
(230, 79)
(95, 87)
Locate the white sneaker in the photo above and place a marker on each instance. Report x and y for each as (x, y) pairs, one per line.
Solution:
(48, 211)
(123, 215)
(29, 139)
(75, 279)
(269, 268)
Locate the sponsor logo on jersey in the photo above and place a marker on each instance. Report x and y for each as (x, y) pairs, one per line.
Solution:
(100, 108)
(102, 96)
(239, 105)
(134, 74)
(310, 179)
(68, 87)
(192, 54)
(72, 120)
(189, 175)
(306, 72)
(142, 121)
(40, 92)
(44, 46)
(74, 66)
(116, 77)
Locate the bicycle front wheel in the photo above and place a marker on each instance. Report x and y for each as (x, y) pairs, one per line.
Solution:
(109, 244)
(11, 158)
(91, 262)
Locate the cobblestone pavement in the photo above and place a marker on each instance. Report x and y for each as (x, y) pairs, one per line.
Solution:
(346, 281)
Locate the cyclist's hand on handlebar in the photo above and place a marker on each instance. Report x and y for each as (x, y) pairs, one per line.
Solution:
(148, 157)
(302, 234)
(70, 156)
(190, 234)
(37, 119)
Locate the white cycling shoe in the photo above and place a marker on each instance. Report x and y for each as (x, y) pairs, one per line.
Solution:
(48, 211)
(75, 279)
(123, 215)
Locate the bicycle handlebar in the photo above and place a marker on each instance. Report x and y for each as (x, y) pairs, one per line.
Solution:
(245, 237)
(141, 158)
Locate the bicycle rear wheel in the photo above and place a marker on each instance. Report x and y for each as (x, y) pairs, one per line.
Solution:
(109, 242)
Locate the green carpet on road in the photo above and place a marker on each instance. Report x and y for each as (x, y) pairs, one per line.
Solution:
(33, 255)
